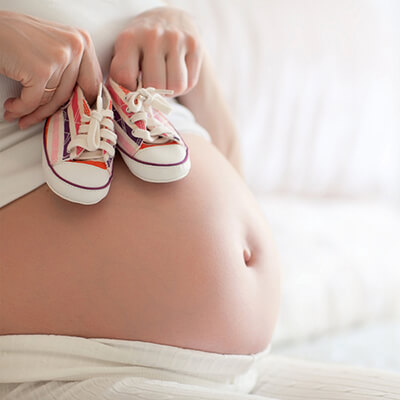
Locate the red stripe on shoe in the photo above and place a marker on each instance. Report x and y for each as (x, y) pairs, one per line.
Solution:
(144, 145)
(99, 164)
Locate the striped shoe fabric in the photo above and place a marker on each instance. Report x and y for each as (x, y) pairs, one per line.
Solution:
(151, 147)
(79, 148)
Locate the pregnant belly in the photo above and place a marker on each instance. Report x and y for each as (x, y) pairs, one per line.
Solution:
(188, 264)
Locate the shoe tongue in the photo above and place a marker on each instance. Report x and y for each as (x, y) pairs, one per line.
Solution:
(84, 108)
(80, 104)
(96, 155)
(83, 105)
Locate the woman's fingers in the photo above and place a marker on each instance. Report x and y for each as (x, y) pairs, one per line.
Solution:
(154, 69)
(177, 72)
(28, 101)
(47, 96)
(60, 96)
(33, 93)
(86, 72)
(163, 45)
(124, 67)
(50, 89)
(90, 76)
(48, 59)
(32, 97)
(193, 62)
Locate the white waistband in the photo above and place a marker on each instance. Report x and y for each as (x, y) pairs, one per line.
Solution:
(30, 358)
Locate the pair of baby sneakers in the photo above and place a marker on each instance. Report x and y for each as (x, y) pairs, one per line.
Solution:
(79, 142)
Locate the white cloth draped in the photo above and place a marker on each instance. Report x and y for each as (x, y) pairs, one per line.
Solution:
(315, 89)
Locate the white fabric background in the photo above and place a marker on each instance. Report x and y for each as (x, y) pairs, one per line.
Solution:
(315, 89)
(341, 264)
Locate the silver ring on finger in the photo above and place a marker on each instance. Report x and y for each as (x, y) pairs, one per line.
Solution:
(50, 89)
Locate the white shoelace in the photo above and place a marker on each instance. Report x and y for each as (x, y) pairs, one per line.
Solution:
(142, 102)
(96, 134)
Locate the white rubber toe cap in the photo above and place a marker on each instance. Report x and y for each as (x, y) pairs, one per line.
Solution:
(83, 175)
(162, 155)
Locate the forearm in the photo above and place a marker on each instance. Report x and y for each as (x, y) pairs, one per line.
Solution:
(210, 109)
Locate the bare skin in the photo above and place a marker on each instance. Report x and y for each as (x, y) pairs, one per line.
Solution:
(190, 264)
(42, 54)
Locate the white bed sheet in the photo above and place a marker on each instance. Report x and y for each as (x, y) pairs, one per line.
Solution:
(373, 345)
(340, 263)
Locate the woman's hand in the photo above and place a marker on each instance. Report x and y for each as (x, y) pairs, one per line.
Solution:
(42, 54)
(164, 45)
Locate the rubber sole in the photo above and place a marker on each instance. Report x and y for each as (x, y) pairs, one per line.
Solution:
(157, 174)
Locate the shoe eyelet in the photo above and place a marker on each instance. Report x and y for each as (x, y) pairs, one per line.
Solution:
(128, 110)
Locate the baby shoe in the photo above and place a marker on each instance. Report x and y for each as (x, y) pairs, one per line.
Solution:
(79, 147)
(150, 146)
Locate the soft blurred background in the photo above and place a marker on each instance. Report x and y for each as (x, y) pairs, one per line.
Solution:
(314, 86)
